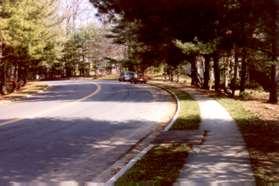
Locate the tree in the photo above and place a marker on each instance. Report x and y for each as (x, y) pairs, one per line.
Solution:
(27, 30)
(238, 25)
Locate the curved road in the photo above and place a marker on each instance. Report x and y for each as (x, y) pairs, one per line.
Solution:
(76, 130)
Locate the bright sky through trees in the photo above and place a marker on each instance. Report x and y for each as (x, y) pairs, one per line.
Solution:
(84, 9)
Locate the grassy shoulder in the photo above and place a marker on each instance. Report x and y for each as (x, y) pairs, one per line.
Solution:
(189, 114)
(162, 164)
(262, 140)
(29, 89)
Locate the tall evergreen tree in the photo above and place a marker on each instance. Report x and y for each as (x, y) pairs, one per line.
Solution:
(28, 34)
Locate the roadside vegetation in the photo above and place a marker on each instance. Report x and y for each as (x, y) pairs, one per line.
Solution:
(46, 40)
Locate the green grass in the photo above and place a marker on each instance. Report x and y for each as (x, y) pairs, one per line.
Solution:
(189, 115)
(243, 117)
(262, 141)
(160, 166)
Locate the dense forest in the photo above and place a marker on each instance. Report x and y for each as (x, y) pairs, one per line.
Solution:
(235, 40)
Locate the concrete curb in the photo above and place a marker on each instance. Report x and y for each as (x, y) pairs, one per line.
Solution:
(132, 162)
(176, 112)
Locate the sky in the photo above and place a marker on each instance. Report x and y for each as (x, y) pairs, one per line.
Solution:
(86, 12)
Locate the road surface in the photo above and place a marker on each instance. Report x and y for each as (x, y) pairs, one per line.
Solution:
(76, 130)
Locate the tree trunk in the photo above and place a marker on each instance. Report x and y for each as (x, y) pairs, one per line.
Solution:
(243, 75)
(16, 78)
(4, 79)
(194, 71)
(216, 72)
(235, 71)
(226, 74)
(3, 70)
(177, 72)
(23, 74)
(171, 76)
(206, 72)
(273, 89)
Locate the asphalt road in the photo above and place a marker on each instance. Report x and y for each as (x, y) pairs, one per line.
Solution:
(75, 130)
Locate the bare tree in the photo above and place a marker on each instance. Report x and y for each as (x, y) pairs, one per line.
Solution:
(76, 13)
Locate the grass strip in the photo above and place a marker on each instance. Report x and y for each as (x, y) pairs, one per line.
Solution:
(160, 166)
(189, 115)
(261, 138)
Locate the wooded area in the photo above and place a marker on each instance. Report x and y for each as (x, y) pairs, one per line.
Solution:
(40, 40)
(230, 45)
(235, 40)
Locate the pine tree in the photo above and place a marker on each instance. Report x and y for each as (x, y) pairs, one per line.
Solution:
(29, 35)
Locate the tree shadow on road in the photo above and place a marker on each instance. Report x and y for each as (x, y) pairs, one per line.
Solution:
(56, 150)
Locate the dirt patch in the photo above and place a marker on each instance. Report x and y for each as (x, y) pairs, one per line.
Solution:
(264, 111)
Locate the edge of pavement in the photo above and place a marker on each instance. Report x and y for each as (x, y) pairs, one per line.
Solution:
(140, 154)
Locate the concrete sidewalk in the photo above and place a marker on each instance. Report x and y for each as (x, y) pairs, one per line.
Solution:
(223, 158)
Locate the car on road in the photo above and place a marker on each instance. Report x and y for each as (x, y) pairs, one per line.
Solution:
(127, 76)
(139, 78)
